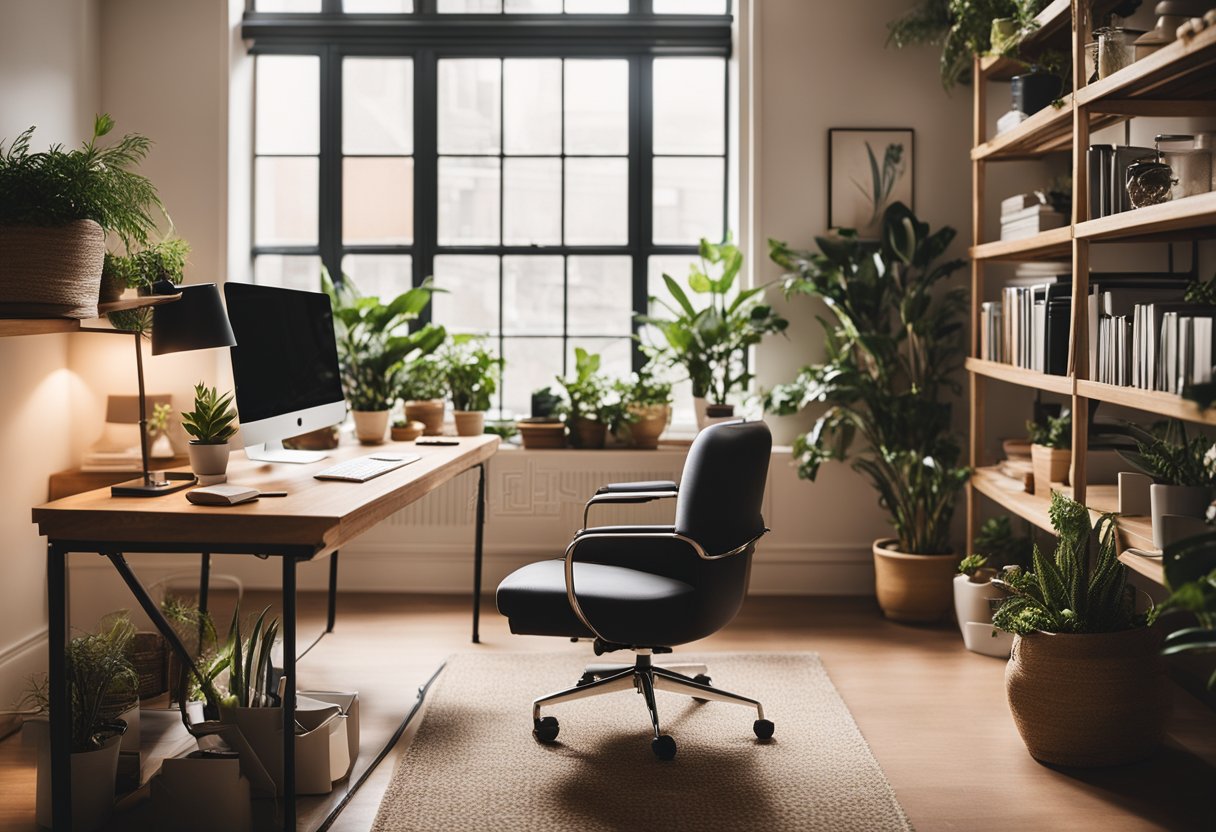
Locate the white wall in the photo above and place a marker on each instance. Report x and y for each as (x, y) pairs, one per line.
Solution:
(48, 77)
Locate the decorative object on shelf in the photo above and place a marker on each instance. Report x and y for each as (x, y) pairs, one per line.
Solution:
(1077, 630)
(1190, 164)
(868, 170)
(542, 433)
(57, 208)
(974, 596)
(1149, 182)
(471, 373)
(892, 354)
(1190, 575)
(158, 265)
(1171, 14)
(211, 425)
(423, 390)
(591, 406)
(648, 402)
(97, 668)
(1034, 90)
(1116, 49)
(711, 343)
(376, 350)
(1134, 494)
(1183, 472)
(403, 431)
(1050, 451)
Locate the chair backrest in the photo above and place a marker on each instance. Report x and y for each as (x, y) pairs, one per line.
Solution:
(722, 489)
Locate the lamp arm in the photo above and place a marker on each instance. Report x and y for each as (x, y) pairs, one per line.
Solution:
(143, 406)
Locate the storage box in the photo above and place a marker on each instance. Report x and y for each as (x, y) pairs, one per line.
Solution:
(202, 792)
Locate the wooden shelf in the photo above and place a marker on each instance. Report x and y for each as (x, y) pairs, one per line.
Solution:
(1177, 71)
(1150, 401)
(1054, 20)
(1047, 131)
(1017, 375)
(41, 326)
(1010, 494)
(1046, 245)
(1192, 213)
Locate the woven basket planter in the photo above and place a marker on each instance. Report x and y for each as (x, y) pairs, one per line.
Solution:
(1088, 699)
(51, 272)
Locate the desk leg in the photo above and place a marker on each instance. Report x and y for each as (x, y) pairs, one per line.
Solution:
(204, 590)
(289, 693)
(332, 614)
(61, 723)
(477, 550)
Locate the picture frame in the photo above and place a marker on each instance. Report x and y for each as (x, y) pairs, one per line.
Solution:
(862, 162)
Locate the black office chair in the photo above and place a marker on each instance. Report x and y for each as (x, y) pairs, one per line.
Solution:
(648, 588)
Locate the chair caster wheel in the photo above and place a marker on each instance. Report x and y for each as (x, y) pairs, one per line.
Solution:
(545, 729)
(701, 679)
(664, 747)
(763, 728)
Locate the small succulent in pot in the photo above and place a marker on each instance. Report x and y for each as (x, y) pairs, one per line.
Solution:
(210, 425)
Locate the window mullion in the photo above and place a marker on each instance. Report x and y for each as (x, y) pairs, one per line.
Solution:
(641, 202)
(426, 164)
(330, 175)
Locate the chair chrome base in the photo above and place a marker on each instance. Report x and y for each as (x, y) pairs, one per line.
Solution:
(645, 678)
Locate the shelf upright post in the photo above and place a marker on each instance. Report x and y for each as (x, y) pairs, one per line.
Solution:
(975, 385)
(1079, 341)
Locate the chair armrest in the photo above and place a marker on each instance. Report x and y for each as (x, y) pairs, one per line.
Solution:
(631, 492)
(627, 487)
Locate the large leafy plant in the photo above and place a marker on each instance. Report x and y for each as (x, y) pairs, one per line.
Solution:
(1070, 592)
(211, 421)
(711, 342)
(375, 347)
(893, 347)
(471, 372)
(96, 183)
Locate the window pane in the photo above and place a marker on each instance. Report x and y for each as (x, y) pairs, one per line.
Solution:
(690, 6)
(532, 202)
(288, 96)
(378, 200)
(378, 6)
(288, 5)
(468, 201)
(688, 200)
(378, 105)
(532, 295)
(285, 193)
(469, 6)
(531, 363)
(597, 107)
(469, 105)
(382, 275)
(289, 271)
(597, 6)
(689, 105)
(470, 302)
(614, 354)
(600, 295)
(597, 194)
(532, 92)
(533, 6)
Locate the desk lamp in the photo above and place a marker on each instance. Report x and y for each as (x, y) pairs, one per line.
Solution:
(195, 321)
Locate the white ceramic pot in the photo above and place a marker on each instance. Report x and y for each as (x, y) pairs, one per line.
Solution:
(1177, 501)
(93, 778)
(973, 599)
(208, 460)
(370, 426)
(469, 422)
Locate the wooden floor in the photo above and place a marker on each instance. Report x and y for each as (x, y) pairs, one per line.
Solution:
(934, 714)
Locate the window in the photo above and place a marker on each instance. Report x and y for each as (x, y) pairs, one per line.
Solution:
(544, 164)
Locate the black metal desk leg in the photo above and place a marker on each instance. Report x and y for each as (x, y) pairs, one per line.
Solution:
(333, 593)
(477, 550)
(204, 590)
(61, 722)
(289, 693)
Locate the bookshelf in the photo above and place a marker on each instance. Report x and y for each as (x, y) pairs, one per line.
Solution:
(1179, 79)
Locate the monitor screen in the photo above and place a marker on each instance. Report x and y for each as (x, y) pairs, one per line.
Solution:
(286, 359)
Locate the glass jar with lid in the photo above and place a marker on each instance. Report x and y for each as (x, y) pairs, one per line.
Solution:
(1116, 49)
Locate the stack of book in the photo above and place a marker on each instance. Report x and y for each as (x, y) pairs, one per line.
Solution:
(1026, 215)
(1028, 327)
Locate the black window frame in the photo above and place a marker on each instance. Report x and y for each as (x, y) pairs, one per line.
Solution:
(426, 37)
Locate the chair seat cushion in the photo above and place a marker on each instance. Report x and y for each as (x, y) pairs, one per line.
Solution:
(627, 606)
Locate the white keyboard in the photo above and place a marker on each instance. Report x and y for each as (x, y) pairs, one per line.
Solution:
(364, 468)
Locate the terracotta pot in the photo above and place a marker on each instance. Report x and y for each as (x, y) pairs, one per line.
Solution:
(973, 598)
(589, 434)
(1176, 501)
(1097, 699)
(1050, 465)
(469, 422)
(651, 422)
(93, 778)
(912, 588)
(429, 412)
(542, 435)
(208, 460)
(370, 426)
(407, 432)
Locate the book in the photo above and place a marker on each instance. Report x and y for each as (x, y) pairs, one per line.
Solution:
(222, 495)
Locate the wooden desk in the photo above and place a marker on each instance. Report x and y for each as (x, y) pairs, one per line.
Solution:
(315, 518)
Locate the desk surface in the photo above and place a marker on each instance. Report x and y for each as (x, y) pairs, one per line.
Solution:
(318, 515)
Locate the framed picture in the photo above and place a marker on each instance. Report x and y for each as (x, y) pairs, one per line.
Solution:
(868, 170)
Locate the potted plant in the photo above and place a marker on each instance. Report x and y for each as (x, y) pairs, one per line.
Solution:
(1190, 574)
(56, 208)
(711, 343)
(471, 373)
(591, 406)
(211, 425)
(97, 667)
(423, 390)
(1183, 472)
(403, 431)
(892, 352)
(1050, 453)
(163, 263)
(1085, 683)
(974, 597)
(374, 348)
(648, 403)
(159, 446)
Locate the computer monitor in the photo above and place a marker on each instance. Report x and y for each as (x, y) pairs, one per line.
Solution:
(285, 367)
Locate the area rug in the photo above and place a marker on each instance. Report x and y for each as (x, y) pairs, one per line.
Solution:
(474, 765)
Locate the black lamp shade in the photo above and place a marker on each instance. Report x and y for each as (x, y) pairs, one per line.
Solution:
(195, 322)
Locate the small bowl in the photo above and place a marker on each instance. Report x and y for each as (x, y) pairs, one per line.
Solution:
(407, 432)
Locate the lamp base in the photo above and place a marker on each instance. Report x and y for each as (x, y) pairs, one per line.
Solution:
(157, 483)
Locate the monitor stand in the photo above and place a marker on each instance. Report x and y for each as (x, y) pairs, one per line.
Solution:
(275, 452)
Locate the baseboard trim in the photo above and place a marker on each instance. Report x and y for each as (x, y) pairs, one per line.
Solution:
(18, 661)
